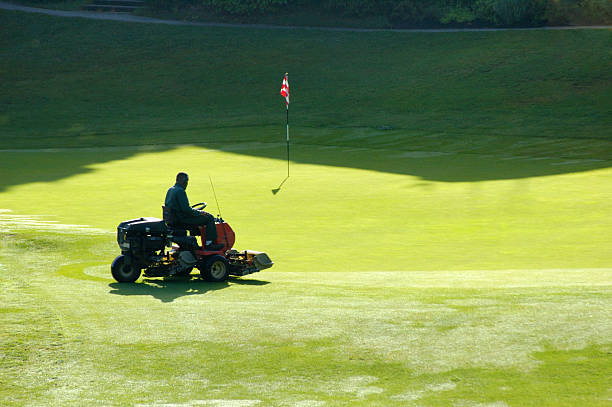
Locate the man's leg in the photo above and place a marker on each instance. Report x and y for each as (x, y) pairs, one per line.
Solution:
(206, 219)
(211, 228)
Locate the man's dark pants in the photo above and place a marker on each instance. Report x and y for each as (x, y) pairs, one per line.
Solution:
(205, 219)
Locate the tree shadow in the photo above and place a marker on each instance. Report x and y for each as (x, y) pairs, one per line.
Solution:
(25, 167)
(170, 288)
(436, 166)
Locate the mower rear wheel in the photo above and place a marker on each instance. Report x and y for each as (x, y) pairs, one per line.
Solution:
(123, 272)
(216, 269)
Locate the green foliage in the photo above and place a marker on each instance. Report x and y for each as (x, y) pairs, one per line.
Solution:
(166, 5)
(231, 7)
(561, 12)
(415, 13)
(596, 11)
(412, 13)
(519, 12)
(244, 7)
(399, 13)
(436, 12)
(459, 15)
(43, 1)
(356, 7)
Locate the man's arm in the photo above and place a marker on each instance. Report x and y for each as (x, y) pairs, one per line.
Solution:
(183, 203)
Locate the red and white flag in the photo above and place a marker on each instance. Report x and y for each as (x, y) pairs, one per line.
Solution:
(285, 89)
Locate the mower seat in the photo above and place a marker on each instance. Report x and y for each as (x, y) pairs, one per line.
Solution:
(171, 219)
(176, 229)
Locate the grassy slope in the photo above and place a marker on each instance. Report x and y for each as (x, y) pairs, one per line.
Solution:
(127, 84)
(376, 208)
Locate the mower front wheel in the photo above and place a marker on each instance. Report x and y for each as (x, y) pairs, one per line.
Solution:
(216, 269)
(124, 272)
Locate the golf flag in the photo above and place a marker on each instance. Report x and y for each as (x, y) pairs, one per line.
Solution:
(285, 93)
(285, 89)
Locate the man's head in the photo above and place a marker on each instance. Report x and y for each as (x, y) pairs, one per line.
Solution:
(182, 179)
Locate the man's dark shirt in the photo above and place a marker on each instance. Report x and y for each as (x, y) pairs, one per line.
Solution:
(176, 199)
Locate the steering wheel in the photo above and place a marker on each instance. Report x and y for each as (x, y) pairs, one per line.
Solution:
(199, 206)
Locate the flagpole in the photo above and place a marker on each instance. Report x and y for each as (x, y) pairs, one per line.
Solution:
(287, 141)
(285, 93)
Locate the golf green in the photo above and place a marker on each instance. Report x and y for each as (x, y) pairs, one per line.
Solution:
(338, 219)
(388, 289)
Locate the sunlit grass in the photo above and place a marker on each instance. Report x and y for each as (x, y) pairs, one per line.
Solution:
(341, 219)
(279, 338)
(387, 289)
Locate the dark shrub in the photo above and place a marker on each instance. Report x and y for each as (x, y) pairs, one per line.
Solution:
(520, 12)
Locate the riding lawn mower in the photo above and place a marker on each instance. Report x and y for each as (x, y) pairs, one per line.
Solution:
(161, 247)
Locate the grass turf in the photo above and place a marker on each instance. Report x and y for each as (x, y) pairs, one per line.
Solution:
(118, 83)
(468, 293)
(431, 247)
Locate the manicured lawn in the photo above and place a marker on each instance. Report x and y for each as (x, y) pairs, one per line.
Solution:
(442, 239)
(388, 289)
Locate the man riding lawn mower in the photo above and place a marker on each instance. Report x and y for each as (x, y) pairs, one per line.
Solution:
(178, 213)
(163, 248)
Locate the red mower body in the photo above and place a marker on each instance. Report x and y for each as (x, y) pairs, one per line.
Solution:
(225, 236)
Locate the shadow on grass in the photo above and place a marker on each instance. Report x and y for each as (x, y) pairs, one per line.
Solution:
(171, 288)
(277, 189)
(25, 167)
(436, 166)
